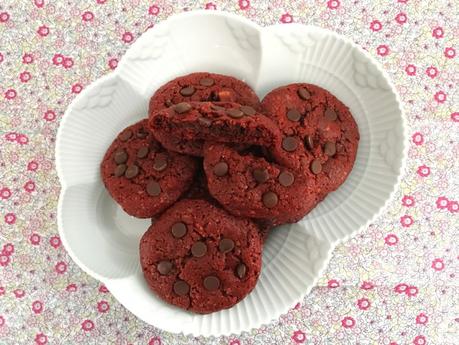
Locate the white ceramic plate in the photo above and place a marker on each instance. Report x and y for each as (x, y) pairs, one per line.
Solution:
(103, 240)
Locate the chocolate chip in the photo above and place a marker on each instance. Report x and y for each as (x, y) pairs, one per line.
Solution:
(160, 163)
(198, 249)
(226, 245)
(221, 169)
(248, 110)
(187, 91)
(294, 115)
(153, 188)
(178, 230)
(260, 175)
(207, 82)
(309, 142)
(211, 283)
(164, 267)
(205, 121)
(289, 144)
(217, 107)
(303, 93)
(235, 113)
(270, 199)
(120, 169)
(125, 135)
(330, 114)
(120, 157)
(168, 103)
(132, 171)
(143, 152)
(241, 270)
(141, 133)
(182, 107)
(316, 167)
(330, 148)
(181, 288)
(286, 178)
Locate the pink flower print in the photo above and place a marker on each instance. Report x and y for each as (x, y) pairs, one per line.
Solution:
(87, 16)
(412, 291)
(391, 239)
(10, 94)
(40, 338)
(367, 285)
(453, 206)
(49, 115)
(2, 290)
(363, 303)
(408, 201)
(333, 4)
(210, 6)
(68, 62)
(401, 288)
(113, 63)
(420, 340)
(27, 58)
(418, 138)
(155, 341)
(406, 221)
(127, 37)
(8, 249)
(76, 88)
(35, 239)
(60, 267)
(39, 3)
(348, 322)
(37, 307)
(25, 76)
(438, 32)
(101, 1)
(2, 320)
(32, 166)
(440, 96)
(286, 18)
(4, 260)
(449, 52)
(29, 186)
(1, 58)
(87, 325)
(438, 264)
(19, 293)
(382, 50)
(421, 319)
(375, 25)
(103, 289)
(442, 202)
(71, 288)
(55, 241)
(5, 193)
(401, 18)
(4, 17)
(153, 10)
(11, 136)
(103, 306)
(43, 31)
(333, 283)
(299, 337)
(10, 218)
(455, 116)
(244, 4)
(22, 139)
(423, 170)
(432, 71)
(58, 59)
(410, 70)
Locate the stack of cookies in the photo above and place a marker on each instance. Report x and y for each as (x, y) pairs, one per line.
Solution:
(216, 170)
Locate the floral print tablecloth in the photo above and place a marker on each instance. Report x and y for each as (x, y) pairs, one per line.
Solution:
(394, 283)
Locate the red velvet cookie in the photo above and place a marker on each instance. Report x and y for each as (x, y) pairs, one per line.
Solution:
(201, 87)
(141, 175)
(250, 186)
(198, 257)
(185, 127)
(319, 133)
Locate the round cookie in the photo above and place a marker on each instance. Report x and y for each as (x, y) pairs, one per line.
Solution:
(319, 133)
(198, 257)
(201, 87)
(187, 126)
(250, 186)
(143, 177)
